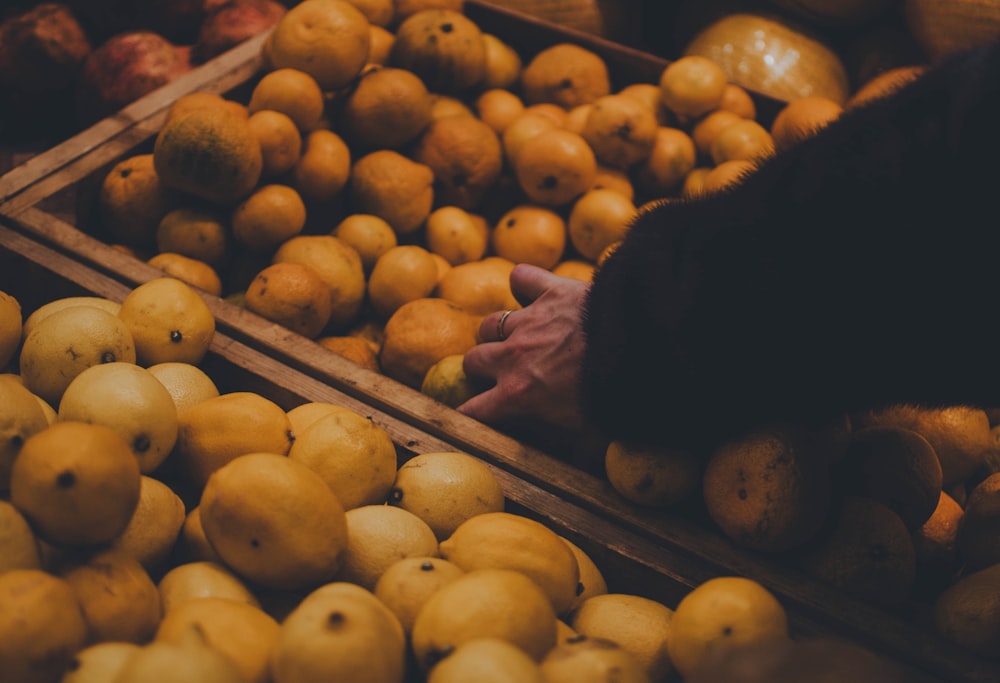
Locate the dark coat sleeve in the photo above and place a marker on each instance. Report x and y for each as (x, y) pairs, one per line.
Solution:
(856, 269)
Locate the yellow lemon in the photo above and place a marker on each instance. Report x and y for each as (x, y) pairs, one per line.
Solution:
(18, 546)
(582, 659)
(77, 483)
(243, 633)
(445, 488)
(186, 383)
(723, 612)
(637, 624)
(117, 596)
(351, 453)
(304, 414)
(487, 660)
(190, 659)
(41, 626)
(447, 382)
(484, 603)
(127, 398)
(21, 417)
(155, 526)
(340, 632)
(201, 579)
(51, 307)
(169, 321)
(409, 582)
(274, 521)
(338, 263)
(100, 662)
(378, 536)
(591, 577)
(11, 323)
(67, 342)
(218, 429)
(504, 540)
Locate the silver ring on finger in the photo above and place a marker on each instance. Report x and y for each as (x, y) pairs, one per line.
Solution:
(501, 335)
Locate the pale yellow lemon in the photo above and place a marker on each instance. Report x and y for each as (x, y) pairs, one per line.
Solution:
(155, 526)
(407, 583)
(378, 536)
(19, 547)
(201, 579)
(21, 417)
(488, 660)
(169, 321)
(99, 663)
(186, 383)
(11, 324)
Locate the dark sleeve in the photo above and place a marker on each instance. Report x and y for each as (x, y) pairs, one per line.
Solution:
(856, 269)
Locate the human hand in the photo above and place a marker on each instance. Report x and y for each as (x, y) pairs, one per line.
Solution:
(533, 358)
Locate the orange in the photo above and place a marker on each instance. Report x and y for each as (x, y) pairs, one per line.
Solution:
(801, 118)
(323, 167)
(671, 158)
(203, 99)
(576, 269)
(614, 179)
(766, 490)
(866, 551)
(403, 273)
(694, 183)
(271, 215)
(210, 153)
(422, 332)
(387, 107)
(456, 235)
(479, 287)
(551, 110)
(737, 99)
(744, 139)
(279, 138)
(503, 64)
(443, 47)
(327, 39)
(565, 74)
(934, 543)
(380, 48)
(394, 187)
(724, 612)
(190, 270)
(530, 234)
(597, 219)
(978, 540)
(378, 12)
(709, 126)
(692, 86)
(370, 236)
(621, 130)
(340, 267)
(291, 92)
(444, 106)
(197, 232)
(967, 613)
(466, 157)
(555, 168)
(352, 348)
(651, 476)
(132, 200)
(649, 95)
(522, 128)
(497, 107)
(883, 84)
(292, 295)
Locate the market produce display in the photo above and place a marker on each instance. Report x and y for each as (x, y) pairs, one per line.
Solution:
(370, 190)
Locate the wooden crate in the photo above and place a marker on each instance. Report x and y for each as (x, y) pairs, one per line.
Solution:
(659, 552)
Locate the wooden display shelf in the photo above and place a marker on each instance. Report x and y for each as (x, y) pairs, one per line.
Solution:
(658, 553)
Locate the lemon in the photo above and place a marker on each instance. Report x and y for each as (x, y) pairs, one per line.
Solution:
(125, 397)
(202, 579)
(193, 544)
(445, 489)
(407, 583)
(20, 417)
(504, 540)
(274, 521)
(47, 309)
(186, 382)
(169, 321)
(591, 578)
(244, 633)
(117, 596)
(650, 476)
(304, 414)
(99, 663)
(354, 456)
(723, 612)
(189, 659)
(67, 342)
(446, 381)
(582, 659)
(18, 545)
(378, 536)
(11, 325)
(340, 632)
(41, 626)
(76, 483)
(218, 429)
(487, 660)
(484, 603)
(155, 526)
(639, 625)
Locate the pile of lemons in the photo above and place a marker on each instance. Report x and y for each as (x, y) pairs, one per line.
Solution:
(153, 528)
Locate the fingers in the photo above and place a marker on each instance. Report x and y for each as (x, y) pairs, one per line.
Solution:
(528, 282)
(496, 326)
